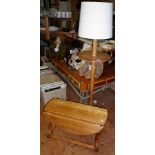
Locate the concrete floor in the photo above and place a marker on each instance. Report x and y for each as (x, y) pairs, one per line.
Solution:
(105, 99)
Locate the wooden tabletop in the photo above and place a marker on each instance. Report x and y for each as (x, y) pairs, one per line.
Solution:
(76, 111)
(81, 82)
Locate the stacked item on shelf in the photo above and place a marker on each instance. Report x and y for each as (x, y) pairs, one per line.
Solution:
(107, 44)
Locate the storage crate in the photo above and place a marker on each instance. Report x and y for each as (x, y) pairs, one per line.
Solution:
(51, 86)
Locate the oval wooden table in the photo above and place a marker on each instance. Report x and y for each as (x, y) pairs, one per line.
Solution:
(75, 118)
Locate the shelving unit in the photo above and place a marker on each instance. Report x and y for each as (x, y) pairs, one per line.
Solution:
(46, 33)
(59, 22)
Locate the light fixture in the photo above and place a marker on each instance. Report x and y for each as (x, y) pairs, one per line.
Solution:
(95, 23)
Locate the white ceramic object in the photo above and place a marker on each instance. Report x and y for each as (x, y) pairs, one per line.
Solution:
(53, 12)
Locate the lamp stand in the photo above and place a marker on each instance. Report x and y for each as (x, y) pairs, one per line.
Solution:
(92, 71)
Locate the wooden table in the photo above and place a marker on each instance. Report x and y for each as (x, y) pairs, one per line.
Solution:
(75, 118)
(80, 84)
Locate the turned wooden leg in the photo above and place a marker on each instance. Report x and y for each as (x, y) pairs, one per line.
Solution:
(96, 147)
(49, 129)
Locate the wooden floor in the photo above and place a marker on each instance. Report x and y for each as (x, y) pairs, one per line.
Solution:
(105, 99)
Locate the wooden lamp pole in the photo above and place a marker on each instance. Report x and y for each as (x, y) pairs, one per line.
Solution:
(92, 71)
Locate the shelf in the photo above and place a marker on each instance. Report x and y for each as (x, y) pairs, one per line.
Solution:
(47, 19)
(55, 18)
(87, 55)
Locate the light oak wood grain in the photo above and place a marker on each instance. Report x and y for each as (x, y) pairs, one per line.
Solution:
(75, 118)
(76, 111)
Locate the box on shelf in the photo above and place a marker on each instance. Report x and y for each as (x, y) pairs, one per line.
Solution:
(108, 44)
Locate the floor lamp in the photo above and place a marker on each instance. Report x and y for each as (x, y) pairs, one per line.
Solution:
(95, 23)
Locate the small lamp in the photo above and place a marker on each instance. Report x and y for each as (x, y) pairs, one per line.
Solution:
(95, 23)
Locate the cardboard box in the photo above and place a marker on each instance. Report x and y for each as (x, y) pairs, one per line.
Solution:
(51, 86)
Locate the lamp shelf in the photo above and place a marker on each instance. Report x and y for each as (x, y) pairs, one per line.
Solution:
(87, 55)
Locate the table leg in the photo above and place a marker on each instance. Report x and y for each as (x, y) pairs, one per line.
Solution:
(86, 100)
(96, 147)
(80, 97)
(50, 131)
(83, 97)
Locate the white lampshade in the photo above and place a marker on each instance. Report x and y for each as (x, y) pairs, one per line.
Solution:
(96, 20)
